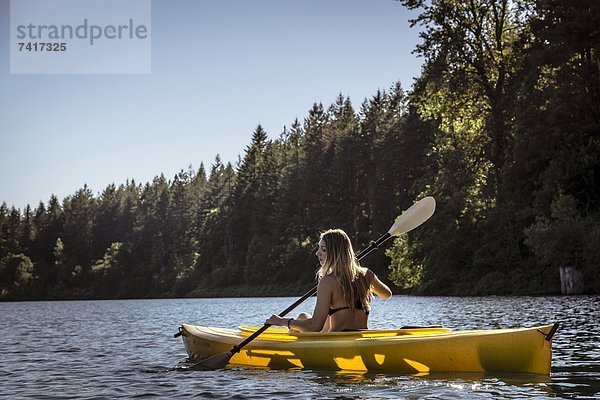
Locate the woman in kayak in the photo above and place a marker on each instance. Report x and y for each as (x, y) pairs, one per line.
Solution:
(344, 291)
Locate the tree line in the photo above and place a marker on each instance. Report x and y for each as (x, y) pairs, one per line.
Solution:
(501, 127)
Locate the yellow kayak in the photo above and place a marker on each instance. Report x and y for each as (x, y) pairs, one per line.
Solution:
(412, 350)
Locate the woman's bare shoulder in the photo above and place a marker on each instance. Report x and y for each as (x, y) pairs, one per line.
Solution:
(367, 273)
(327, 280)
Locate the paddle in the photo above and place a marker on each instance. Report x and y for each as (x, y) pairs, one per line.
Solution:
(409, 220)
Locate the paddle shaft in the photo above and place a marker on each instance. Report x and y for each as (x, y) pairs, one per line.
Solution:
(373, 246)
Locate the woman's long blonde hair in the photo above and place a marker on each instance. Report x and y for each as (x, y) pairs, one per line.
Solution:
(342, 263)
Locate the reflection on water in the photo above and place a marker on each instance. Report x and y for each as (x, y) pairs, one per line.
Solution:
(528, 384)
(125, 349)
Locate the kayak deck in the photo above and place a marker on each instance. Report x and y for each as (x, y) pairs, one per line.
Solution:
(273, 333)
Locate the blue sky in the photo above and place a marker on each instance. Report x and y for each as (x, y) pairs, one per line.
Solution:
(219, 68)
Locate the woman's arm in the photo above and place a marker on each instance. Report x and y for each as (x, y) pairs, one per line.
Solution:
(316, 322)
(378, 287)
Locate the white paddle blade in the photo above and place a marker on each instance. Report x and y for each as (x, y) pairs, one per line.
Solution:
(414, 216)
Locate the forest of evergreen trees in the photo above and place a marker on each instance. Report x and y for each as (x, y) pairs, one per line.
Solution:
(502, 127)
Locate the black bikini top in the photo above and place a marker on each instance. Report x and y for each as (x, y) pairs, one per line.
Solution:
(358, 306)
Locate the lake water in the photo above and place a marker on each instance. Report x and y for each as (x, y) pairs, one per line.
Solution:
(126, 349)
